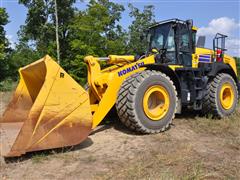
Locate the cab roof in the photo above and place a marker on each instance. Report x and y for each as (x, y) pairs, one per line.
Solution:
(175, 20)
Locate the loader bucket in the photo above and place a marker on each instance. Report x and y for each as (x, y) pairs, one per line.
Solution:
(48, 110)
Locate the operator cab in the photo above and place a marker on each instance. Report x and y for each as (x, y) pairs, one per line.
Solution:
(173, 41)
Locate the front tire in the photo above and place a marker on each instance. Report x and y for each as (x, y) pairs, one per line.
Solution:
(147, 102)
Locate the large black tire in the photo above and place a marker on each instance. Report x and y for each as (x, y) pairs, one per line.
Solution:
(212, 103)
(129, 103)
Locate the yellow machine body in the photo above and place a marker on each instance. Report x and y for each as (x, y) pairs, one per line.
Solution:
(51, 110)
(203, 51)
(48, 110)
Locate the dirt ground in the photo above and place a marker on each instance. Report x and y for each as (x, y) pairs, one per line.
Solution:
(193, 148)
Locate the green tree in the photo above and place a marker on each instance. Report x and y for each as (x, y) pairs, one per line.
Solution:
(95, 31)
(21, 56)
(39, 27)
(3, 45)
(141, 21)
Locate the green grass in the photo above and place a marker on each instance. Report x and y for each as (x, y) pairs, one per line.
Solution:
(238, 66)
(7, 85)
(220, 127)
(38, 158)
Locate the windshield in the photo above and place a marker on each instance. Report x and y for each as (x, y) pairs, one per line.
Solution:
(162, 37)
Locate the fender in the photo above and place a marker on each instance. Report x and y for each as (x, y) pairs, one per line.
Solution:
(169, 72)
(219, 67)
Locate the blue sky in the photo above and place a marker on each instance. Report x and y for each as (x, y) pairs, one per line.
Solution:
(210, 16)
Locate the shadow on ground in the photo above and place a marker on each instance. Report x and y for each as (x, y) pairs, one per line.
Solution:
(85, 144)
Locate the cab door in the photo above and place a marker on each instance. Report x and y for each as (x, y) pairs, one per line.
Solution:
(185, 48)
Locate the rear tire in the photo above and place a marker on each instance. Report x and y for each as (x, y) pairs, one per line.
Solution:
(219, 90)
(130, 104)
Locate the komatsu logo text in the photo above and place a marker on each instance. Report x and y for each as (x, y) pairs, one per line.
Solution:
(130, 69)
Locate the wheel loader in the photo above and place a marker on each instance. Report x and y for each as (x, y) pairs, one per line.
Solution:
(51, 110)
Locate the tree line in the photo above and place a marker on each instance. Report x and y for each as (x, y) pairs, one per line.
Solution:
(96, 31)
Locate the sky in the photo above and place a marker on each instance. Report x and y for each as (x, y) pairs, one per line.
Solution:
(210, 16)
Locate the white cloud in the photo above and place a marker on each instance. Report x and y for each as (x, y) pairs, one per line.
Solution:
(233, 46)
(10, 39)
(227, 26)
(222, 25)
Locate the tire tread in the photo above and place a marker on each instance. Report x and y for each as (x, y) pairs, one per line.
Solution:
(125, 101)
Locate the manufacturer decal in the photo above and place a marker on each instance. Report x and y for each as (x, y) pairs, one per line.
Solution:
(130, 69)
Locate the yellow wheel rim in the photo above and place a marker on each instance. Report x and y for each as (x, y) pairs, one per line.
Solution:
(227, 96)
(156, 102)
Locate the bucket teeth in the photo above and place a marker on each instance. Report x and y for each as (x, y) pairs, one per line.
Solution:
(48, 110)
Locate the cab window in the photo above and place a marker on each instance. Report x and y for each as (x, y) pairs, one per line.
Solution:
(184, 42)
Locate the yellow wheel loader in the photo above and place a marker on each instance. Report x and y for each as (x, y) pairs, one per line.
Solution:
(50, 110)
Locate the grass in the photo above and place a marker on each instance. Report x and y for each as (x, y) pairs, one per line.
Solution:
(180, 162)
(219, 127)
(238, 66)
(40, 157)
(156, 167)
(7, 85)
(195, 172)
(179, 159)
